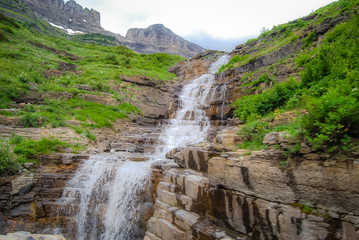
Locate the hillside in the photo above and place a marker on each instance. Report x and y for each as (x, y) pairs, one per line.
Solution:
(49, 81)
(307, 65)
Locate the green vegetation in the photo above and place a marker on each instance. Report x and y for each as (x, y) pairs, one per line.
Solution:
(93, 115)
(258, 105)
(9, 164)
(95, 38)
(36, 57)
(17, 150)
(327, 89)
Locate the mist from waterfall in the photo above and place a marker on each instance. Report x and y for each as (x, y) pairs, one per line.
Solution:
(108, 193)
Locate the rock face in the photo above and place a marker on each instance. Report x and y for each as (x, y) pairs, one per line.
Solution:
(69, 15)
(255, 196)
(158, 38)
(27, 201)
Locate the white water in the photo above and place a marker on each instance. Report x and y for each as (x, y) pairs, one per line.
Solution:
(108, 194)
(105, 188)
(191, 124)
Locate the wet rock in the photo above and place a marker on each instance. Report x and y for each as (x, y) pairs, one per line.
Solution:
(22, 184)
(192, 158)
(228, 136)
(171, 154)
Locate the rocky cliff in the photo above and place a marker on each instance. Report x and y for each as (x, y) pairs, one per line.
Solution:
(72, 16)
(69, 15)
(158, 38)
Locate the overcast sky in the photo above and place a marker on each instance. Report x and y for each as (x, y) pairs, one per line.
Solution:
(213, 24)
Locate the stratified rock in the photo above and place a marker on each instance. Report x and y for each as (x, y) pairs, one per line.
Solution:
(22, 184)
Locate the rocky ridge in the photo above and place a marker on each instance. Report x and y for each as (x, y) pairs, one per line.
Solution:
(69, 15)
(158, 38)
(75, 19)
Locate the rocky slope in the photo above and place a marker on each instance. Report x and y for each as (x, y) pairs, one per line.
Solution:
(69, 15)
(154, 39)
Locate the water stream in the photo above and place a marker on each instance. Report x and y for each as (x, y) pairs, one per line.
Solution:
(109, 193)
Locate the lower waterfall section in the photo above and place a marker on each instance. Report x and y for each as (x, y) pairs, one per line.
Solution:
(107, 196)
(109, 193)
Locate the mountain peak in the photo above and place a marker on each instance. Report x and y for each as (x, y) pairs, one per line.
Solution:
(158, 38)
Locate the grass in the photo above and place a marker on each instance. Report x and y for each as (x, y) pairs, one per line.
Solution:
(24, 65)
(17, 151)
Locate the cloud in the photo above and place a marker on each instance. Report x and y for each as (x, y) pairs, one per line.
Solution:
(227, 19)
(210, 42)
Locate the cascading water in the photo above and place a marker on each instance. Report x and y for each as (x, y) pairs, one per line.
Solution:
(191, 124)
(102, 195)
(108, 193)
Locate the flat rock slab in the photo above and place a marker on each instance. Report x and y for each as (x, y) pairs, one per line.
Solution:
(29, 236)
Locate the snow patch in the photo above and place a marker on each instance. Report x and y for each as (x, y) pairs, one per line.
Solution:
(67, 30)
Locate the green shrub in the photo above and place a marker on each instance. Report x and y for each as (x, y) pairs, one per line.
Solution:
(29, 149)
(30, 119)
(309, 39)
(262, 104)
(236, 59)
(8, 160)
(3, 37)
(331, 120)
(263, 78)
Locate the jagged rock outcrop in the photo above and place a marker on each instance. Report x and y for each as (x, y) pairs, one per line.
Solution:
(69, 15)
(158, 38)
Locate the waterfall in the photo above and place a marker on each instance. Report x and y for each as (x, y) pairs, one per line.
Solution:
(104, 190)
(108, 193)
(191, 124)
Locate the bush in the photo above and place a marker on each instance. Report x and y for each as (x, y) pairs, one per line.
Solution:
(29, 149)
(262, 104)
(8, 160)
(309, 39)
(331, 120)
(30, 119)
